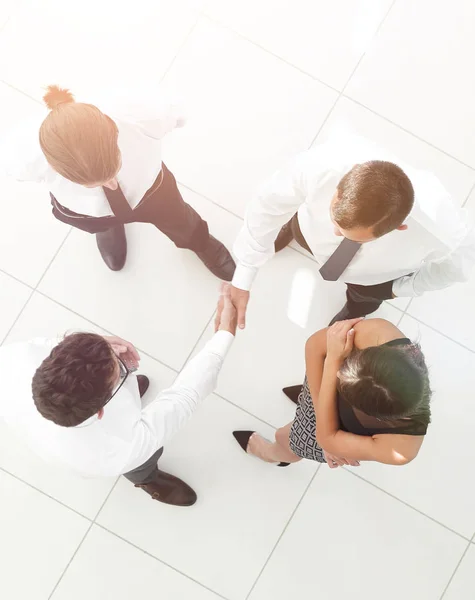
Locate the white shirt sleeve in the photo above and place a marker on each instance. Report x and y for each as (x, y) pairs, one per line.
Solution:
(276, 203)
(163, 417)
(21, 157)
(156, 113)
(442, 272)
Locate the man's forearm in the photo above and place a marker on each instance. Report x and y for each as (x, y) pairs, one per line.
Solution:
(175, 405)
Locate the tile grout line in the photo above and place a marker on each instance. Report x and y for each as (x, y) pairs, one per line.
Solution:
(283, 532)
(362, 478)
(82, 541)
(55, 255)
(103, 527)
(200, 337)
(224, 25)
(44, 493)
(182, 45)
(455, 570)
(414, 135)
(440, 333)
(468, 195)
(17, 317)
(198, 341)
(342, 91)
(185, 185)
(108, 332)
(245, 411)
(13, 87)
(70, 560)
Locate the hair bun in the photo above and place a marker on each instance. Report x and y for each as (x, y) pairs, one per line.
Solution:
(55, 96)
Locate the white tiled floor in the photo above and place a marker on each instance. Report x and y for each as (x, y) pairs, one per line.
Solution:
(261, 80)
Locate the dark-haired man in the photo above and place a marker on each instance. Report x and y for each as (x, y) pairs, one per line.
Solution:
(78, 404)
(384, 230)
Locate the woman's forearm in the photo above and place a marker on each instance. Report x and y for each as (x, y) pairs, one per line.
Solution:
(326, 410)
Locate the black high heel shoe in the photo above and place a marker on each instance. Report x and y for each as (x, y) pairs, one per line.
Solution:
(293, 392)
(242, 438)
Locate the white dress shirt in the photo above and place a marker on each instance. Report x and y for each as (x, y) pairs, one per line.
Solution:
(128, 433)
(436, 250)
(141, 129)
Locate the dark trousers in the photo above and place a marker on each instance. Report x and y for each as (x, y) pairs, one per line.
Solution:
(144, 473)
(162, 206)
(361, 300)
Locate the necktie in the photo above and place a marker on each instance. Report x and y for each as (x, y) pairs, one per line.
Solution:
(339, 260)
(118, 203)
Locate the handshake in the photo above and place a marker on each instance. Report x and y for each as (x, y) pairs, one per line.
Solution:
(226, 313)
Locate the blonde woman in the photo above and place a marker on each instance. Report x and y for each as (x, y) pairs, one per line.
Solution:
(104, 171)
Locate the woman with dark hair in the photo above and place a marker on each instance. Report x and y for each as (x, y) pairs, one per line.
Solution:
(366, 396)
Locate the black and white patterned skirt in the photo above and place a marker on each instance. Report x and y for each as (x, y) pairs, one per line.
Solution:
(302, 437)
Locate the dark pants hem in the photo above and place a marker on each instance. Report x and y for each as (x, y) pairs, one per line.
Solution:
(144, 473)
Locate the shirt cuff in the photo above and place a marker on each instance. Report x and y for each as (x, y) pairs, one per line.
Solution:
(243, 277)
(404, 287)
(220, 343)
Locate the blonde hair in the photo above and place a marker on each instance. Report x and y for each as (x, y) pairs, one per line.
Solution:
(78, 140)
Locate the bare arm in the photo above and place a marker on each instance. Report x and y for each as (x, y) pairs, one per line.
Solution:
(392, 449)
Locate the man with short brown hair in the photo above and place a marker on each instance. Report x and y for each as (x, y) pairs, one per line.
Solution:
(77, 403)
(384, 230)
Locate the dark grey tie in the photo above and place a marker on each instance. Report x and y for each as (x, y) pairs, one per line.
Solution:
(339, 260)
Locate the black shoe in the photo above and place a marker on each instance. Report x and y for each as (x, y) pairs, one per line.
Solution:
(242, 438)
(169, 489)
(284, 237)
(293, 392)
(144, 383)
(217, 259)
(112, 245)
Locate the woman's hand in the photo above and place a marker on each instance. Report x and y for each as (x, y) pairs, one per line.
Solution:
(340, 338)
(334, 461)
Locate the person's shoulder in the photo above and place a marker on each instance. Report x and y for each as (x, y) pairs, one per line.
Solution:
(374, 332)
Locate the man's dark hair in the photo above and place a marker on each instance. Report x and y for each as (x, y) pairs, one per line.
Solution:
(374, 194)
(76, 379)
(387, 382)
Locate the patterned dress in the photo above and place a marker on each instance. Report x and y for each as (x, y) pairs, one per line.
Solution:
(302, 438)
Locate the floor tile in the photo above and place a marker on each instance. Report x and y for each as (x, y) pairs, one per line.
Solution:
(309, 41)
(289, 302)
(133, 44)
(345, 541)
(448, 310)
(39, 537)
(243, 504)
(424, 84)
(248, 113)
(388, 312)
(463, 584)
(107, 567)
(349, 119)
(44, 318)
(436, 482)
(29, 235)
(14, 296)
(162, 299)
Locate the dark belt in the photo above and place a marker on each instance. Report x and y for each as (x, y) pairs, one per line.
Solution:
(297, 233)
